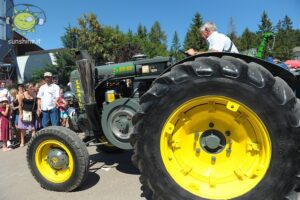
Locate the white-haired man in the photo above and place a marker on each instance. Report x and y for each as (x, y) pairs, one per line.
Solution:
(217, 42)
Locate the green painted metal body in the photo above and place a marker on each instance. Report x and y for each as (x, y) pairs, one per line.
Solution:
(116, 113)
(120, 69)
(116, 121)
(138, 68)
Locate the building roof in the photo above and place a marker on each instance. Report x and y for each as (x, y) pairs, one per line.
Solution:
(22, 45)
(44, 51)
(296, 49)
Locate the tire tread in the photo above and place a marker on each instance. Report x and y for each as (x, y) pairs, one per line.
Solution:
(209, 67)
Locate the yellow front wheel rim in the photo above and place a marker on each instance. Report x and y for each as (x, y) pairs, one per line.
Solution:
(54, 161)
(215, 147)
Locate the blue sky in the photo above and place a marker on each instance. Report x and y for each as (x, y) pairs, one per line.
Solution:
(173, 15)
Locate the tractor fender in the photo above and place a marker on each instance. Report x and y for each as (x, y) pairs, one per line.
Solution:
(276, 70)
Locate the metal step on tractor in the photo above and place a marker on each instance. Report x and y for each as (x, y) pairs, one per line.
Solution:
(212, 126)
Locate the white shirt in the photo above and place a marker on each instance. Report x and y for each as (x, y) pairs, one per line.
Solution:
(5, 93)
(220, 42)
(48, 95)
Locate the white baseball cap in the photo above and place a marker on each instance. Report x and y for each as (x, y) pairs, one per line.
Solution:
(3, 98)
(47, 74)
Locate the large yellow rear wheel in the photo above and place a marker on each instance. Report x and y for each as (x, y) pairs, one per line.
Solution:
(212, 144)
(217, 128)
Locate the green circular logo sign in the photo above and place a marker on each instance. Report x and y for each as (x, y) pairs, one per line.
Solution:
(26, 17)
(25, 21)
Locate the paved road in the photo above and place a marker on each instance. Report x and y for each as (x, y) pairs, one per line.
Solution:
(111, 176)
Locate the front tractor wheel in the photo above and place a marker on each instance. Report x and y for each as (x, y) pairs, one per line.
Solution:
(217, 128)
(58, 159)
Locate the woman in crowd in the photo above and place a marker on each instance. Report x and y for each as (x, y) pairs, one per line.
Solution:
(21, 89)
(15, 112)
(27, 104)
(4, 123)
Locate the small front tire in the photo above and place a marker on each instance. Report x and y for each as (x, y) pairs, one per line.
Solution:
(58, 159)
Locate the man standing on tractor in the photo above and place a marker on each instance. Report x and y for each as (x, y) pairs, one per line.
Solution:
(217, 41)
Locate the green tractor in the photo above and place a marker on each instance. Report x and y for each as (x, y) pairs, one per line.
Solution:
(212, 126)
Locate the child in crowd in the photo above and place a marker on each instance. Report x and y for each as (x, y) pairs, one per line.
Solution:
(62, 105)
(4, 122)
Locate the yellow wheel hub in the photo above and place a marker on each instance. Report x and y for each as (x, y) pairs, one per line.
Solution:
(54, 161)
(215, 147)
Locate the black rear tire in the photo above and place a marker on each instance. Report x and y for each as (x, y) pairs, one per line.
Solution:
(249, 83)
(64, 140)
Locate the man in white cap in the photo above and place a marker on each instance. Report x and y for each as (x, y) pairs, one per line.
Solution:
(47, 97)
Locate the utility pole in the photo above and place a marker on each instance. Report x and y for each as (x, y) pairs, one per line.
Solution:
(6, 34)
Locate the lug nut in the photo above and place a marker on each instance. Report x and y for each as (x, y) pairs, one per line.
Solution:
(211, 125)
(197, 150)
(228, 151)
(228, 133)
(213, 159)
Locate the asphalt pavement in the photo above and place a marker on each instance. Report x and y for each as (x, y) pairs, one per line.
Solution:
(111, 177)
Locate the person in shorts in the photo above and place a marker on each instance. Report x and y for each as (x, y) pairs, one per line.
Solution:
(62, 105)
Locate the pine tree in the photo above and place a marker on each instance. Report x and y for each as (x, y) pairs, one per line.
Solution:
(287, 24)
(297, 37)
(193, 38)
(156, 45)
(285, 39)
(248, 40)
(231, 30)
(156, 34)
(174, 51)
(142, 32)
(278, 26)
(266, 24)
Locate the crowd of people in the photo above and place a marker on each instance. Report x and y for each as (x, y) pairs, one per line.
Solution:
(29, 108)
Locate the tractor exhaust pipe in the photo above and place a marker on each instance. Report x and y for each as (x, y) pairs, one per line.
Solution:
(86, 69)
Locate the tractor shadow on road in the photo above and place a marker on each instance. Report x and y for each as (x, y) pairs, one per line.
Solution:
(91, 180)
(121, 161)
